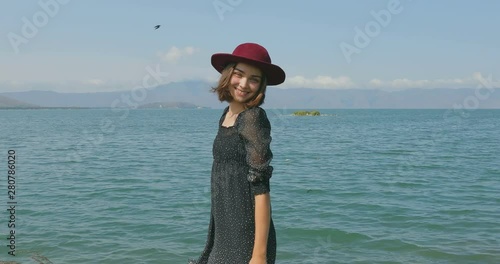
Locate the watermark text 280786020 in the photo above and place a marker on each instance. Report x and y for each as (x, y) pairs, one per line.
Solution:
(11, 202)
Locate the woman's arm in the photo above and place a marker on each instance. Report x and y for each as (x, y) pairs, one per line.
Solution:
(262, 223)
(256, 132)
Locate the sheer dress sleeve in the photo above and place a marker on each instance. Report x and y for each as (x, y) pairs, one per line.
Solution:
(255, 129)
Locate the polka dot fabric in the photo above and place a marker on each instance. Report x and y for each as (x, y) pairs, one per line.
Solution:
(241, 169)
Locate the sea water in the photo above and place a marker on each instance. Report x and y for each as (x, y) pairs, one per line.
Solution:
(349, 186)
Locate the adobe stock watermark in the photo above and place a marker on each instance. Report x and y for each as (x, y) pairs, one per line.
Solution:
(122, 105)
(470, 103)
(363, 37)
(281, 124)
(223, 6)
(323, 252)
(30, 27)
(453, 116)
(140, 93)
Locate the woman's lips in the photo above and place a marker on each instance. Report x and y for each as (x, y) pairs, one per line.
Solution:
(240, 92)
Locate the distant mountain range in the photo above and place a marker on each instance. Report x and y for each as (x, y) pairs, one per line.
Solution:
(160, 105)
(196, 94)
(6, 102)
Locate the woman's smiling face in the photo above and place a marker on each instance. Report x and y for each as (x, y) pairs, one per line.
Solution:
(245, 82)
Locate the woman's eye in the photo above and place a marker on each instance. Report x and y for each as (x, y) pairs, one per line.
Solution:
(238, 74)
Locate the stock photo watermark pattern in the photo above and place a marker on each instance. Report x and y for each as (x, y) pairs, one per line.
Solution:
(158, 175)
(372, 29)
(122, 106)
(31, 26)
(482, 92)
(223, 6)
(453, 117)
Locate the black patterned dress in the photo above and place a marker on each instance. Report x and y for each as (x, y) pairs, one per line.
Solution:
(240, 171)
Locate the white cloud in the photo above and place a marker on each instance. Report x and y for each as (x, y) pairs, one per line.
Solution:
(181, 73)
(88, 86)
(486, 81)
(174, 53)
(323, 82)
(404, 83)
(376, 83)
(190, 50)
(95, 82)
(342, 82)
(16, 83)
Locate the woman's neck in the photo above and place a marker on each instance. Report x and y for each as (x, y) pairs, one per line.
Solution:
(236, 108)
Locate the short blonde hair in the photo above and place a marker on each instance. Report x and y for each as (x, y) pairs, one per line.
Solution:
(222, 88)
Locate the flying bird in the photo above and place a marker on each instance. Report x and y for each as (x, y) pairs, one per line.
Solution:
(157, 27)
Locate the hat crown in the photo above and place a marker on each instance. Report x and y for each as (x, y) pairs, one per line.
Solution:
(252, 51)
(254, 54)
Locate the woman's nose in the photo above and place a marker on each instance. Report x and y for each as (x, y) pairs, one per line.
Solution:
(243, 82)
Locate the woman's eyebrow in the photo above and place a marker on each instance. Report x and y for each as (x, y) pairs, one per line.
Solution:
(244, 72)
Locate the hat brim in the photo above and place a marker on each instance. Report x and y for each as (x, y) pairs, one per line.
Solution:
(274, 74)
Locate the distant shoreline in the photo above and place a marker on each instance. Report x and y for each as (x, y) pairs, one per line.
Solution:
(44, 108)
(204, 108)
(77, 108)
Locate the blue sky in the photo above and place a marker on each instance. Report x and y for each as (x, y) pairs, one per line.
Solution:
(88, 46)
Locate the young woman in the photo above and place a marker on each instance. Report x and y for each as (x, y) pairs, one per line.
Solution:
(241, 229)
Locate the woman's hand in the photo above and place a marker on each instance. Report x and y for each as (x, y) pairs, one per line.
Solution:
(258, 260)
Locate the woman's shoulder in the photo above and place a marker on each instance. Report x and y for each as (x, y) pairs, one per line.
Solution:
(254, 111)
(254, 115)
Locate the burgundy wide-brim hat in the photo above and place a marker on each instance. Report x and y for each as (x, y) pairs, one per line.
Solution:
(253, 54)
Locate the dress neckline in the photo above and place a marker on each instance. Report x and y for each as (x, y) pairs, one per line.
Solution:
(235, 121)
